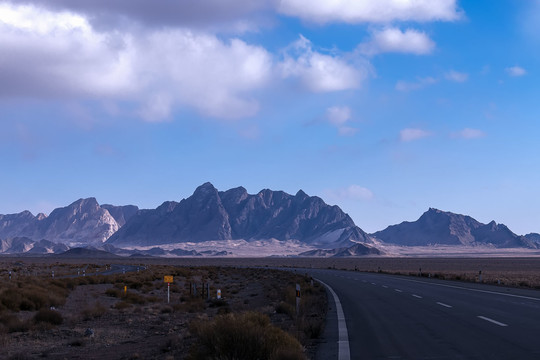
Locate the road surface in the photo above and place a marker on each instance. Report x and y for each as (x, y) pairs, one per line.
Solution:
(398, 317)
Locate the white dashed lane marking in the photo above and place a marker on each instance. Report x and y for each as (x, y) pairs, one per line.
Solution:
(417, 296)
(492, 321)
(443, 304)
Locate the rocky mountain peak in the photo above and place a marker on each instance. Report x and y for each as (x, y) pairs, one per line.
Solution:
(235, 214)
(205, 189)
(234, 196)
(301, 194)
(41, 216)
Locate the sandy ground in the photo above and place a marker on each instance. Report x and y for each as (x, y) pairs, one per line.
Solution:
(95, 328)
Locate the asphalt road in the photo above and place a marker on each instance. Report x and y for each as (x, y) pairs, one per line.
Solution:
(395, 317)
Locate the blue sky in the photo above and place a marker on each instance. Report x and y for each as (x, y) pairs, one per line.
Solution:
(385, 108)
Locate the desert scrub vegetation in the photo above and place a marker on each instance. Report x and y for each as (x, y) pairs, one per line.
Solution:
(248, 335)
(29, 294)
(48, 316)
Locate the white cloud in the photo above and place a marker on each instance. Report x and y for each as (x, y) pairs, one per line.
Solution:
(407, 135)
(378, 11)
(456, 76)
(415, 85)
(468, 133)
(339, 116)
(230, 15)
(516, 71)
(352, 192)
(320, 72)
(59, 54)
(394, 40)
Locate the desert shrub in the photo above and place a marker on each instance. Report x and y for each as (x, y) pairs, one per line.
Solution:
(217, 303)
(112, 292)
(48, 316)
(93, 312)
(13, 324)
(29, 297)
(243, 336)
(122, 305)
(284, 308)
(135, 298)
(192, 305)
(166, 309)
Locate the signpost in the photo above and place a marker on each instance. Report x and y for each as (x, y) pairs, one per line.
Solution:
(297, 299)
(168, 279)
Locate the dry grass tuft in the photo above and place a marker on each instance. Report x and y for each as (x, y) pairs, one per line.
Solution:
(243, 336)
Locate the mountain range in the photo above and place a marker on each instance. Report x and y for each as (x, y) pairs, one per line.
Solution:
(234, 214)
(210, 216)
(436, 227)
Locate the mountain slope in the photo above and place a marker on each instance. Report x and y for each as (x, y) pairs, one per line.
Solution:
(436, 227)
(234, 214)
(83, 222)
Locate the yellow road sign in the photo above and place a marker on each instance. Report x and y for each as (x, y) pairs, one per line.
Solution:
(168, 278)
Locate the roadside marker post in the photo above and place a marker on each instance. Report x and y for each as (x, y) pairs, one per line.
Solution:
(125, 290)
(297, 299)
(9, 274)
(218, 294)
(168, 279)
(53, 274)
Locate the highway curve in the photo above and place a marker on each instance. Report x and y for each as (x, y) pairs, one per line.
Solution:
(398, 317)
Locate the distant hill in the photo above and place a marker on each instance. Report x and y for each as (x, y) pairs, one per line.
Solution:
(234, 214)
(86, 253)
(436, 227)
(82, 223)
(352, 251)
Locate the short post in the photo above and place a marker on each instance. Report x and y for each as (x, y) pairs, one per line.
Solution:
(123, 270)
(125, 290)
(9, 274)
(297, 299)
(218, 295)
(53, 274)
(137, 269)
(168, 279)
(78, 272)
(84, 273)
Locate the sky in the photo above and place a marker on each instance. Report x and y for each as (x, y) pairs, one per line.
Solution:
(382, 107)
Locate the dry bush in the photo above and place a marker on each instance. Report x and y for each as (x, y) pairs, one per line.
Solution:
(11, 323)
(93, 312)
(243, 336)
(192, 305)
(122, 305)
(48, 316)
(31, 294)
(285, 308)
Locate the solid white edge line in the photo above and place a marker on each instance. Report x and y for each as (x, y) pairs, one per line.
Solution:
(443, 304)
(491, 320)
(344, 352)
